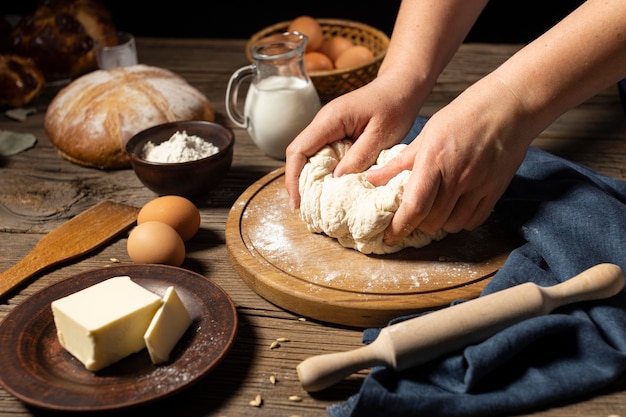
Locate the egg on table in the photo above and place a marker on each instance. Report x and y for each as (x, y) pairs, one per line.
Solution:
(155, 242)
(174, 210)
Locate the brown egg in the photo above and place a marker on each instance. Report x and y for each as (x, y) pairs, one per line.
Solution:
(333, 47)
(354, 56)
(155, 242)
(310, 27)
(174, 210)
(317, 61)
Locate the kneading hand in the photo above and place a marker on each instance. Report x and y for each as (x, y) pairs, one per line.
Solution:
(372, 116)
(461, 163)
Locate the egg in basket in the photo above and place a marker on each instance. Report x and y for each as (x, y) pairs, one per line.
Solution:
(341, 55)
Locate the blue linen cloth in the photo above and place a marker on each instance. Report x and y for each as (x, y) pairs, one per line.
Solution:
(571, 218)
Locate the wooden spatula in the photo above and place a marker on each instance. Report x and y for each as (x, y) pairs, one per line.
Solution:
(76, 237)
(418, 340)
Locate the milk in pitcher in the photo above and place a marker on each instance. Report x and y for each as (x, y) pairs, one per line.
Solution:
(279, 108)
(281, 99)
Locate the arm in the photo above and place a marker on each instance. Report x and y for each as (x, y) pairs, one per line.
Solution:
(468, 152)
(426, 35)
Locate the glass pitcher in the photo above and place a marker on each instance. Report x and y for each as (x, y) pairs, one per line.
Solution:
(281, 99)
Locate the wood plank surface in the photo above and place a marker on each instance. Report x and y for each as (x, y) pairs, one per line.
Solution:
(39, 191)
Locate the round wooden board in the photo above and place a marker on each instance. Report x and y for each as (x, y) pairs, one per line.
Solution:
(314, 276)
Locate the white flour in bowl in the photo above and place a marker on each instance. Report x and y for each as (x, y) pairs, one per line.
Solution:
(181, 147)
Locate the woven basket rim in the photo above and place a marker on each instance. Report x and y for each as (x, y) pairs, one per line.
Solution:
(276, 27)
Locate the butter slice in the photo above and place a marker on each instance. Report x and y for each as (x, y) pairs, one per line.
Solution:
(104, 323)
(167, 327)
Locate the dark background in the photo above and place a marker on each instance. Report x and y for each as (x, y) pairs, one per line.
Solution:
(503, 21)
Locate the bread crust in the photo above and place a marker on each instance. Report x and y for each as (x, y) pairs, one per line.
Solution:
(20, 80)
(59, 35)
(91, 119)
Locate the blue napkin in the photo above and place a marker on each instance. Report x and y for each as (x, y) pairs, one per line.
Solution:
(571, 218)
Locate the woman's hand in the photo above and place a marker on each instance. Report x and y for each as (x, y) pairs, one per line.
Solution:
(461, 163)
(374, 116)
(469, 151)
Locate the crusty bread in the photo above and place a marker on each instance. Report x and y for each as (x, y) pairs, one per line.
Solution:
(59, 35)
(20, 80)
(90, 120)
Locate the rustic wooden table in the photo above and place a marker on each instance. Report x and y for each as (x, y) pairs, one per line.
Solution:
(39, 191)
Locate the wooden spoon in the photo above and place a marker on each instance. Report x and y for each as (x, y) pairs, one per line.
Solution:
(76, 237)
(421, 339)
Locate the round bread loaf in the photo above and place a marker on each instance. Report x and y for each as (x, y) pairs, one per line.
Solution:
(90, 120)
(59, 36)
(20, 80)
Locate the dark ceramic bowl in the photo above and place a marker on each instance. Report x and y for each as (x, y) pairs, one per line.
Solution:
(187, 179)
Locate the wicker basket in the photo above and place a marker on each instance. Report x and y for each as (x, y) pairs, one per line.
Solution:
(333, 83)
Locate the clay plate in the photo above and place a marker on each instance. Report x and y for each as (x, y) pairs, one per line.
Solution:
(40, 373)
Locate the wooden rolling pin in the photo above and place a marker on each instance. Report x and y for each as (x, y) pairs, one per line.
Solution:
(421, 339)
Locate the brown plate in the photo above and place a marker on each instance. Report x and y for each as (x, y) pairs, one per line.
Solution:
(39, 372)
(314, 276)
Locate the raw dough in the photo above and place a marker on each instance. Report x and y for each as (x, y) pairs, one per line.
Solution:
(351, 209)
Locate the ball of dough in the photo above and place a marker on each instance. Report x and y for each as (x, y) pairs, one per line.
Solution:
(351, 209)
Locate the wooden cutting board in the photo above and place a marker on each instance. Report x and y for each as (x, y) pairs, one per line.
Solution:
(314, 276)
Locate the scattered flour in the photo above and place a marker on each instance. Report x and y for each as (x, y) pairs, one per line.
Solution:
(181, 147)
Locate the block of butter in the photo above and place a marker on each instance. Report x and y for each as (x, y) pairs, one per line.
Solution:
(106, 322)
(168, 325)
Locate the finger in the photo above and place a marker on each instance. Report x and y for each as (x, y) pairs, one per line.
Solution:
(382, 175)
(417, 200)
(480, 216)
(361, 155)
(481, 213)
(324, 129)
(439, 213)
(461, 216)
(367, 147)
(293, 168)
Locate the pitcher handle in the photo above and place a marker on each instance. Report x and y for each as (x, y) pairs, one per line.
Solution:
(232, 94)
